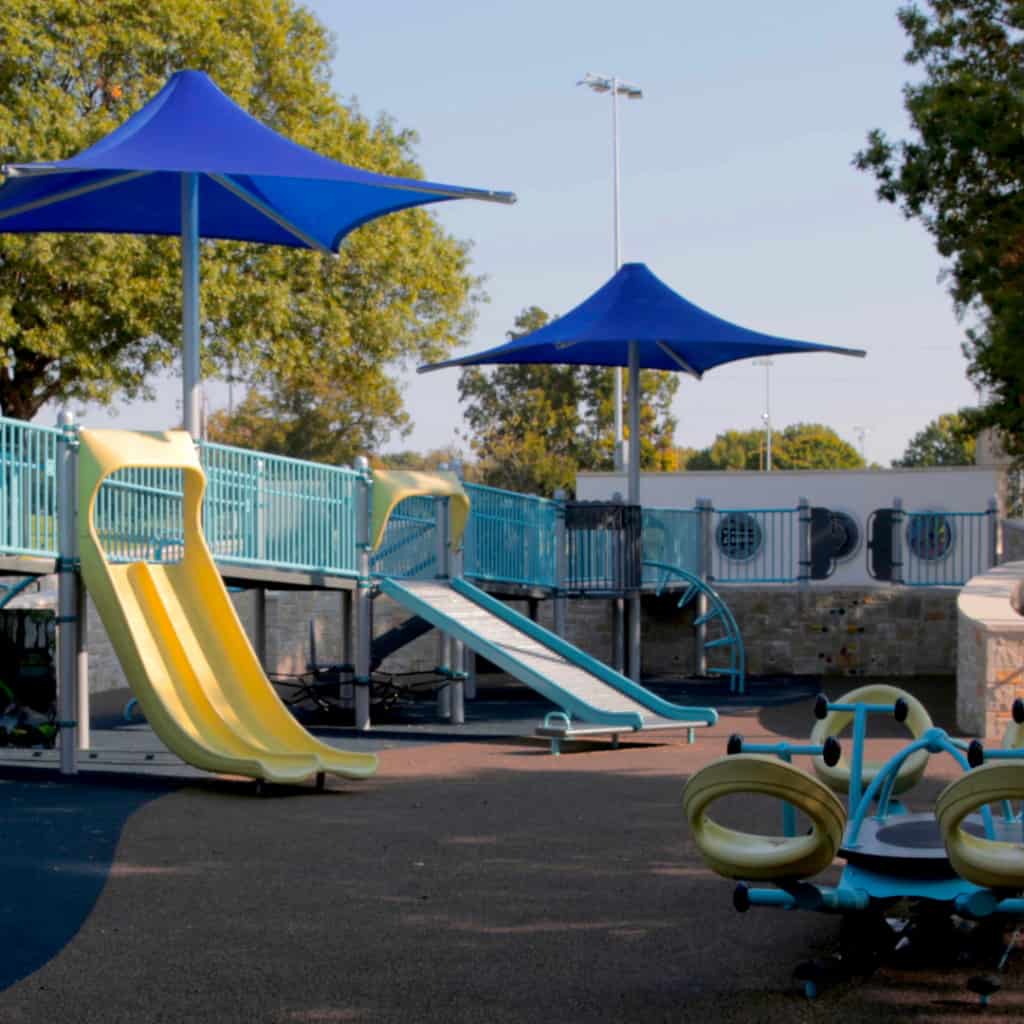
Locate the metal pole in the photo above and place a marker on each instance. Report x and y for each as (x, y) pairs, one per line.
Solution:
(700, 658)
(633, 491)
(768, 413)
(444, 663)
(346, 627)
(67, 600)
(364, 604)
(897, 543)
(190, 374)
(82, 665)
(633, 645)
(260, 624)
(804, 526)
(458, 651)
(561, 565)
(620, 448)
(993, 532)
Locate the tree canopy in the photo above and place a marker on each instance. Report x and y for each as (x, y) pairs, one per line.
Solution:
(798, 446)
(961, 175)
(91, 317)
(949, 440)
(532, 427)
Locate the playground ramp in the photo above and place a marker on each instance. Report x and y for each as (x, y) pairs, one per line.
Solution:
(587, 690)
(180, 641)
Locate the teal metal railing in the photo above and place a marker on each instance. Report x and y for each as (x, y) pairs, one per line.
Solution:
(409, 547)
(755, 545)
(510, 537)
(942, 549)
(138, 515)
(671, 536)
(28, 489)
(276, 511)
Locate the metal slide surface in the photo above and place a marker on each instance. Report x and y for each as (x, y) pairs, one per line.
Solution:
(180, 641)
(582, 686)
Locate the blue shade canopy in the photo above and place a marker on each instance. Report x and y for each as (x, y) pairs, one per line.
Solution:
(635, 306)
(254, 185)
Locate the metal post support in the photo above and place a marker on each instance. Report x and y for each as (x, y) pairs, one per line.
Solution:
(260, 625)
(561, 565)
(700, 659)
(444, 662)
(634, 637)
(618, 634)
(458, 651)
(67, 598)
(346, 627)
(803, 515)
(259, 512)
(190, 371)
(994, 530)
(82, 664)
(364, 604)
(897, 541)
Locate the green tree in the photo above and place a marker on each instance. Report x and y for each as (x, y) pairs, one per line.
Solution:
(533, 427)
(91, 317)
(949, 440)
(961, 175)
(798, 446)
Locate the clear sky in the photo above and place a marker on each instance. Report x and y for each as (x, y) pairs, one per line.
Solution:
(737, 190)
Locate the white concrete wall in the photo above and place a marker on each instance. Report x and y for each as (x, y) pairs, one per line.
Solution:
(856, 492)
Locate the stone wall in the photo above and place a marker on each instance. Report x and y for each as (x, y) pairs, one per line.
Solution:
(990, 662)
(890, 631)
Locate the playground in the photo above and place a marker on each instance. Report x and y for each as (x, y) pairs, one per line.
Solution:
(466, 880)
(197, 846)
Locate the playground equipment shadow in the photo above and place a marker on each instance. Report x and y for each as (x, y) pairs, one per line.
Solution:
(467, 881)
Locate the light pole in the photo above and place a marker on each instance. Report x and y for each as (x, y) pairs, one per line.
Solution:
(614, 85)
(767, 414)
(862, 433)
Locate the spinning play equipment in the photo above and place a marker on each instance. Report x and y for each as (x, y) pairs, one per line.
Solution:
(178, 637)
(961, 861)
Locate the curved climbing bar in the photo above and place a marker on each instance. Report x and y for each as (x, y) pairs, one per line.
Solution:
(717, 610)
(746, 856)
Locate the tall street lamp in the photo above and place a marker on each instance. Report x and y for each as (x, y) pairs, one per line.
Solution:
(617, 88)
(766, 416)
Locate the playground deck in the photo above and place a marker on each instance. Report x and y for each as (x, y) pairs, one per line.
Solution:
(468, 881)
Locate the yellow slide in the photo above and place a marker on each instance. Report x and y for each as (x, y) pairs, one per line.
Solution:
(179, 638)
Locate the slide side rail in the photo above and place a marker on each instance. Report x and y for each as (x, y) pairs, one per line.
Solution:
(572, 654)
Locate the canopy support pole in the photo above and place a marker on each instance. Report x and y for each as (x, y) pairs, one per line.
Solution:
(633, 619)
(633, 492)
(190, 310)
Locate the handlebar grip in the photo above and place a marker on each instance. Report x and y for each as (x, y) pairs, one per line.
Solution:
(975, 754)
(831, 751)
(1018, 711)
(820, 706)
(735, 744)
(900, 710)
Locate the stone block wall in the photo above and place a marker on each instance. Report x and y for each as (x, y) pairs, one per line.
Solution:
(990, 663)
(892, 631)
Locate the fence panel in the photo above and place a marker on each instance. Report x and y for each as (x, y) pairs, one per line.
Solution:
(510, 538)
(271, 510)
(755, 545)
(409, 547)
(28, 489)
(671, 536)
(138, 515)
(945, 549)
